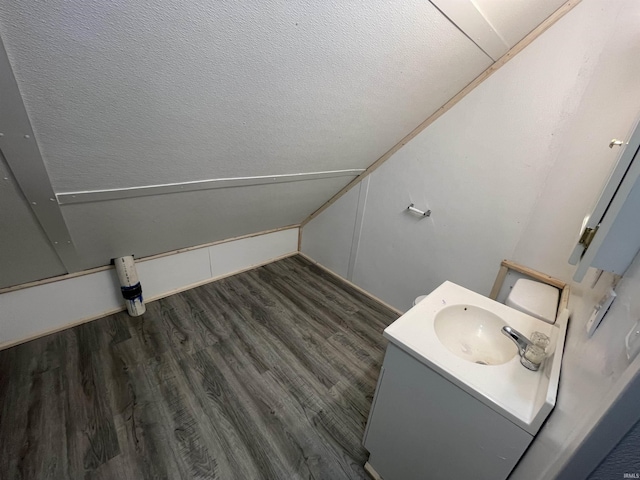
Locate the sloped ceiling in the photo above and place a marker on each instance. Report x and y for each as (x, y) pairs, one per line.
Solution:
(123, 94)
(128, 94)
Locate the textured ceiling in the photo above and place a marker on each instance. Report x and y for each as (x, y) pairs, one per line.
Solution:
(135, 93)
(129, 93)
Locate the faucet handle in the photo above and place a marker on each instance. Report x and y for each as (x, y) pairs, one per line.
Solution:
(540, 339)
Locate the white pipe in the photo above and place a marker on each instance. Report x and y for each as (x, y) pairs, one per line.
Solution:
(130, 285)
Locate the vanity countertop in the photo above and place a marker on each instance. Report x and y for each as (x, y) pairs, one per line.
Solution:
(523, 396)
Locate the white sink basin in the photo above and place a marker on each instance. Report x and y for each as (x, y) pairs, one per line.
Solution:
(457, 333)
(474, 334)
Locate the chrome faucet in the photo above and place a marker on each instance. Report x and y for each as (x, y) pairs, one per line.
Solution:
(522, 343)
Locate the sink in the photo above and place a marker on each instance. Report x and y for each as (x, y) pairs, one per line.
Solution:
(473, 333)
(454, 332)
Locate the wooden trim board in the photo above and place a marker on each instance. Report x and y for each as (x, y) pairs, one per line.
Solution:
(530, 272)
(517, 48)
(371, 472)
(497, 285)
(564, 299)
(142, 259)
(507, 265)
(88, 196)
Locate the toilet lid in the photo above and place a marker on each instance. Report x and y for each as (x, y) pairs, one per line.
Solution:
(534, 298)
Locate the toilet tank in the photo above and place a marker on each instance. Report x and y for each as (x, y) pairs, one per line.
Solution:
(534, 298)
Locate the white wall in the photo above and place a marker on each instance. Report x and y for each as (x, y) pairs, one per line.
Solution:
(148, 225)
(42, 309)
(607, 109)
(334, 236)
(595, 371)
(510, 172)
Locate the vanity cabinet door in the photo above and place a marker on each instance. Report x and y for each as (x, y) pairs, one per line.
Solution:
(423, 426)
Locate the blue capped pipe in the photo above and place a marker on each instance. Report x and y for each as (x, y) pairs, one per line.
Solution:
(130, 285)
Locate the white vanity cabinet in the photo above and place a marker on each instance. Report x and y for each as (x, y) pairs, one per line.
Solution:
(446, 406)
(422, 426)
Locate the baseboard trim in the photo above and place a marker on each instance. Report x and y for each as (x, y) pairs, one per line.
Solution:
(44, 333)
(103, 268)
(350, 283)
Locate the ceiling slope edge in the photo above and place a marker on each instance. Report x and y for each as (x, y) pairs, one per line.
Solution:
(521, 45)
(466, 16)
(22, 154)
(66, 198)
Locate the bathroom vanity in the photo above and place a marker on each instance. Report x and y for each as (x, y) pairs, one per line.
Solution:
(453, 400)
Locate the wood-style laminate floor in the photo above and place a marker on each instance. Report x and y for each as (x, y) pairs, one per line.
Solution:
(268, 374)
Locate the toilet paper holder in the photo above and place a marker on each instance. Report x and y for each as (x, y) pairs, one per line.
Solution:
(422, 213)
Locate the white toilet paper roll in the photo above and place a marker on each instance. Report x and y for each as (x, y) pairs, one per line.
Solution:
(130, 285)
